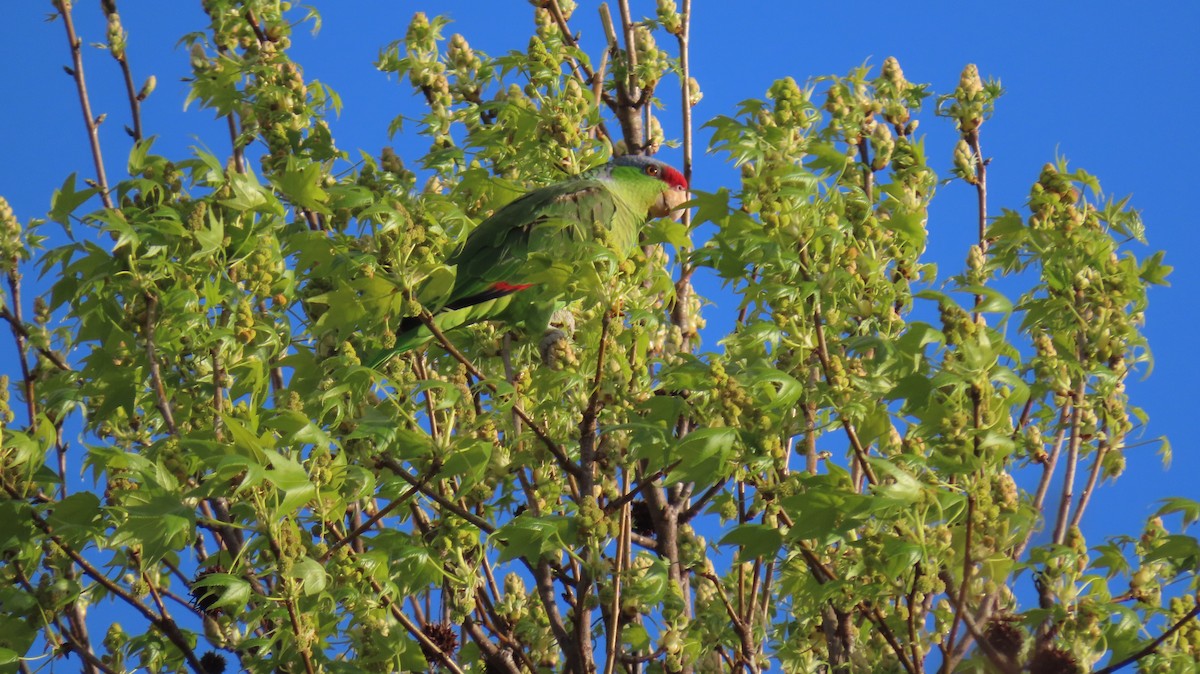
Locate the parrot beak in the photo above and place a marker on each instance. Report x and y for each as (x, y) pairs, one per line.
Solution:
(668, 203)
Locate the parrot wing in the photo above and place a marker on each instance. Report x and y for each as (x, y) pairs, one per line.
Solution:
(492, 262)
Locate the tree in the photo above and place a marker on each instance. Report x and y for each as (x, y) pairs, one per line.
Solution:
(510, 499)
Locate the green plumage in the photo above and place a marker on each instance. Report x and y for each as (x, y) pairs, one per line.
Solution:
(537, 240)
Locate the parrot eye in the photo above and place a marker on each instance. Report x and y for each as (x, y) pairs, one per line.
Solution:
(652, 170)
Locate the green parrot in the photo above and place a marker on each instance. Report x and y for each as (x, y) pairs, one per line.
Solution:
(518, 245)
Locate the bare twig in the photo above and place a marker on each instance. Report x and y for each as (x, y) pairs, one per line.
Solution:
(397, 611)
(289, 604)
(1093, 477)
(683, 285)
(421, 486)
(122, 59)
(93, 130)
(370, 522)
(1068, 487)
(619, 565)
(74, 644)
(1048, 469)
(980, 186)
(1003, 663)
(860, 452)
(21, 333)
(239, 153)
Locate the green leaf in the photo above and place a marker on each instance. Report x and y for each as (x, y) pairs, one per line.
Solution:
(651, 583)
(158, 522)
(1177, 504)
(782, 389)
(702, 456)
(900, 556)
(1181, 550)
(290, 478)
(1153, 271)
(302, 186)
(75, 517)
(897, 485)
(468, 463)
(137, 156)
(414, 566)
(224, 590)
(531, 538)
(635, 637)
(910, 225)
(212, 238)
(997, 566)
(754, 540)
(311, 575)
(66, 199)
(992, 301)
(825, 513)
(666, 230)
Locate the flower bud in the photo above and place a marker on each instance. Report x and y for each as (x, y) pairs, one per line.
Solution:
(147, 88)
(669, 17)
(969, 81)
(893, 74)
(964, 162)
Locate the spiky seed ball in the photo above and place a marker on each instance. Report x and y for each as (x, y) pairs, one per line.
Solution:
(1004, 635)
(1053, 660)
(640, 520)
(442, 635)
(212, 663)
(204, 597)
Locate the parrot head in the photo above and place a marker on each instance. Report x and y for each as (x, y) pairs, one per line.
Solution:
(672, 186)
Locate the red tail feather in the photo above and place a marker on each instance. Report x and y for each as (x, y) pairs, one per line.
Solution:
(504, 287)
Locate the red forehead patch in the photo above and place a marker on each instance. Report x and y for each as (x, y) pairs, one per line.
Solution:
(674, 178)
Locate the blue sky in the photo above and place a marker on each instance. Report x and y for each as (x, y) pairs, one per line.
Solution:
(1110, 86)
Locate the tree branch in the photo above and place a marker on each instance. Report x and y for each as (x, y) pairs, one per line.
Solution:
(160, 391)
(559, 455)
(421, 486)
(1153, 645)
(90, 122)
(165, 625)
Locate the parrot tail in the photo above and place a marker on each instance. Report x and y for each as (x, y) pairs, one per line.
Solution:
(412, 334)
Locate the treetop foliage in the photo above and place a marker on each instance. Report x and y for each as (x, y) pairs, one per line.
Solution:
(859, 475)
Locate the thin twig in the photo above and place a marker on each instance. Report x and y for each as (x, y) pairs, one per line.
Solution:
(557, 451)
(122, 59)
(683, 285)
(93, 130)
(1153, 645)
(960, 599)
(20, 335)
(1093, 477)
(443, 659)
(81, 647)
(370, 522)
(860, 452)
(290, 605)
(1068, 487)
(1002, 662)
(21, 332)
(421, 486)
(1048, 469)
(165, 625)
(160, 391)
